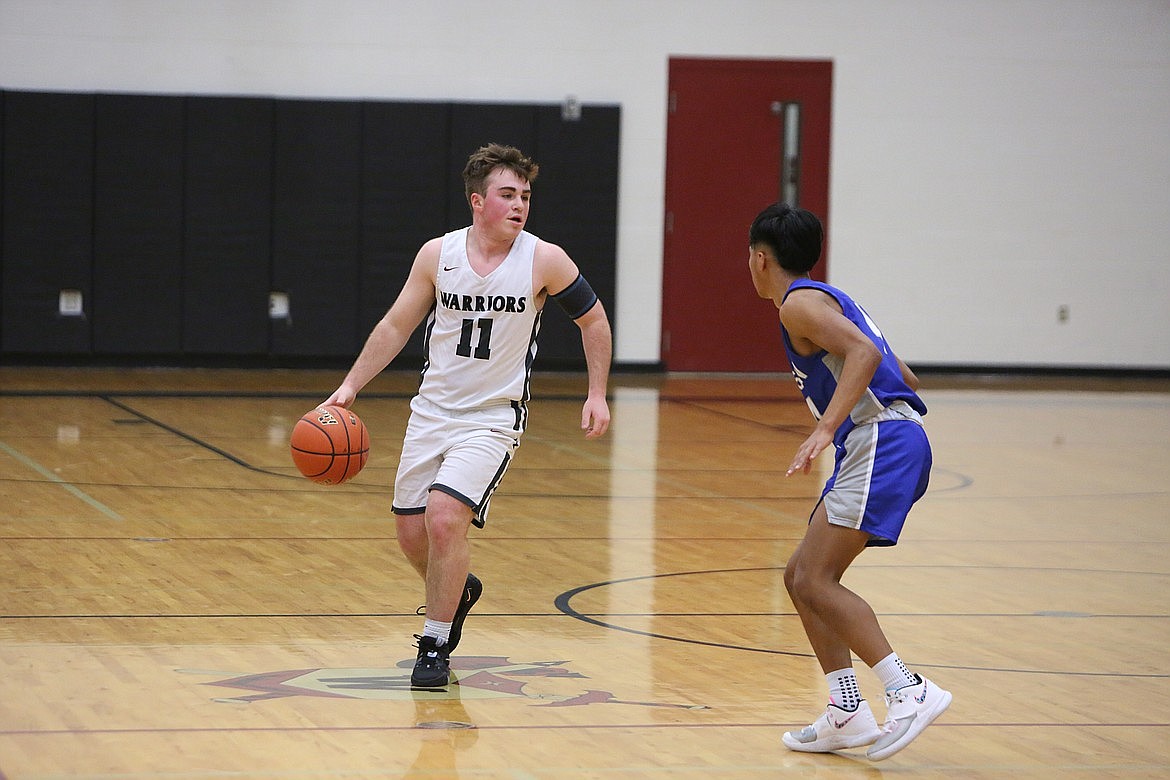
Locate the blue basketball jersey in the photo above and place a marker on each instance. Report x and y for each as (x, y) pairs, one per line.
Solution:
(816, 375)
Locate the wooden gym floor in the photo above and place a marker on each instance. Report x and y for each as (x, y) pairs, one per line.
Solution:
(178, 603)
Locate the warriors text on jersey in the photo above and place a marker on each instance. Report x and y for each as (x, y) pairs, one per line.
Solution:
(480, 337)
(816, 375)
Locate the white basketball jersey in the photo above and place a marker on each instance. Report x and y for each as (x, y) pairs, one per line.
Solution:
(480, 337)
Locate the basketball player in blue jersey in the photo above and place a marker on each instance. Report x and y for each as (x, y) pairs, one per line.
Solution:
(481, 290)
(865, 405)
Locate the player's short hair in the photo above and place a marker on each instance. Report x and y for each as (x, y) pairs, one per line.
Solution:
(794, 235)
(488, 158)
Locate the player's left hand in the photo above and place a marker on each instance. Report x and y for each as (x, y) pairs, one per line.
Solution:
(813, 446)
(595, 417)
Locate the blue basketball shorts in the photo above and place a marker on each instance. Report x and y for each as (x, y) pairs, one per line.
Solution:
(880, 470)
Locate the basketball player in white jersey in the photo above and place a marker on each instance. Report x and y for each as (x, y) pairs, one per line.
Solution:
(481, 290)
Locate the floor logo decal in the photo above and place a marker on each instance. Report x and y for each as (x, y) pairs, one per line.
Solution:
(545, 683)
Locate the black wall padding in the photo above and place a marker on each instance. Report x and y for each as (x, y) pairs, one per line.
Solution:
(138, 225)
(405, 174)
(176, 216)
(316, 226)
(2, 114)
(574, 204)
(47, 221)
(228, 210)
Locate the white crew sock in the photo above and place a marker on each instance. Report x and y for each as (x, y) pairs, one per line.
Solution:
(893, 673)
(843, 690)
(440, 631)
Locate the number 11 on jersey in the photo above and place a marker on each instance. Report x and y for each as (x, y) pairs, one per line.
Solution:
(483, 343)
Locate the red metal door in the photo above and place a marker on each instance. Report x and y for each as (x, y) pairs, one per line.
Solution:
(725, 161)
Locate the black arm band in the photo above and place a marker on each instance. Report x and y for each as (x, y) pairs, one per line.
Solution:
(576, 299)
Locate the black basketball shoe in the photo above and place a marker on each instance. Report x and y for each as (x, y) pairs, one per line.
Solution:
(471, 593)
(432, 669)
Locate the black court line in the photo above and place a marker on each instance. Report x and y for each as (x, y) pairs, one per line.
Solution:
(113, 397)
(560, 727)
(563, 600)
(701, 404)
(247, 394)
(195, 439)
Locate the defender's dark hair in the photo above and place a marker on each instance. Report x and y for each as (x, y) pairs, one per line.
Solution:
(486, 159)
(794, 235)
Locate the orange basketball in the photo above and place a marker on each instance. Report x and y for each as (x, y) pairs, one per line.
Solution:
(330, 445)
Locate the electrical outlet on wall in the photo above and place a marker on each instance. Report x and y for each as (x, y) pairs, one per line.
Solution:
(278, 306)
(71, 303)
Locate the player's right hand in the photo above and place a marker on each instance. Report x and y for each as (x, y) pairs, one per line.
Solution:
(342, 397)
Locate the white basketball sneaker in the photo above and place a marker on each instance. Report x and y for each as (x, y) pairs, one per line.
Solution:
(911, 709)
(836, 729)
